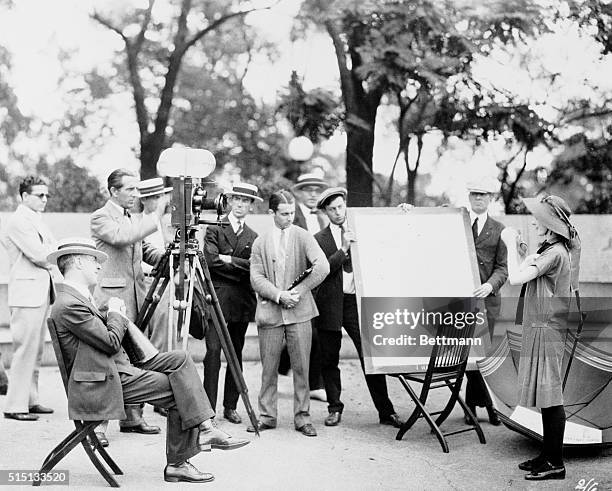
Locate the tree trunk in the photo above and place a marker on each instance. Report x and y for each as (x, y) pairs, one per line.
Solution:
(359, 150)
(150, 150)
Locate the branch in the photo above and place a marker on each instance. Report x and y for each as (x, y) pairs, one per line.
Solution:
(144, 26)
(341, 58)
(107, 23)
(518, 177)
(220, 21)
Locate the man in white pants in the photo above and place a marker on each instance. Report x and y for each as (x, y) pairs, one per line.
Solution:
(30, 292)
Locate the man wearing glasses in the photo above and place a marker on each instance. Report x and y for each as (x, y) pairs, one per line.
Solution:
(30, 292)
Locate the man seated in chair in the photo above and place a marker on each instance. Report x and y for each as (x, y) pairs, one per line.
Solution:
(102, 379)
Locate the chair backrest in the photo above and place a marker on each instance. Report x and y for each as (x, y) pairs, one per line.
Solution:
(58, 352)
(451, 357)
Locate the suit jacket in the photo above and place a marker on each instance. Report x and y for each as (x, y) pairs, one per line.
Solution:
(492, 261)
(232, 281)
(330, 293)
(300, 220)
(91, 345)
(121, 275)
(28, 242)
(302, 252)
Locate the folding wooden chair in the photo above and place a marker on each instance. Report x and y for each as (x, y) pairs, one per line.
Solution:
(446, 368)
(84, 432)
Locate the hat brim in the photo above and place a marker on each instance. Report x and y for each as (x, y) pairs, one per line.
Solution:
(546, 216)
(155, 193)
(479, 190)
(301, 185)
(232, 193)
(86, 251)
(328, 195)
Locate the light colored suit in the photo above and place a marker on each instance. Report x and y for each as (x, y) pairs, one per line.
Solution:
(121, 238)
(30, 291)
(274, 323)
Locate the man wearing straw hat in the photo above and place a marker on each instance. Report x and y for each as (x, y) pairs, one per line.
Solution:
(120, 235)
(151, 192)
(492, 266)
(227, 249)
(102, 378)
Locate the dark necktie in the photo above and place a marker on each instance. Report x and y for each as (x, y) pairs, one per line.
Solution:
(240, 228)
(127, 213)
(475, 228)
(347, 267)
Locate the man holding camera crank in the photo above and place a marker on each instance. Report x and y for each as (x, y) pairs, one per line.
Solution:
(102, 378)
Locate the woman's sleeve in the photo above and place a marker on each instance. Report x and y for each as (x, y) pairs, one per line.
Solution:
(548, 261)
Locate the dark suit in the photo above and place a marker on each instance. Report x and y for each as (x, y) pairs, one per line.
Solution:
(102, 379)
(493, 269)
(336, 310)
(237, 299)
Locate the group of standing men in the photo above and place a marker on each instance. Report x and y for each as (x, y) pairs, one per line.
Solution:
(253, 276)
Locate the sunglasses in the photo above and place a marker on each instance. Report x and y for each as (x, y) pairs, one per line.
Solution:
(42, 195)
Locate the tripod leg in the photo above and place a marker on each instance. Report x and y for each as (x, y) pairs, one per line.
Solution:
(185, 327)
(171, 335)
(224, 337)
(145, 312)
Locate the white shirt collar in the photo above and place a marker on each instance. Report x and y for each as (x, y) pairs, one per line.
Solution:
(34, 215)
(305, 209)
(482, 218)
(234, 221)
(79, 287)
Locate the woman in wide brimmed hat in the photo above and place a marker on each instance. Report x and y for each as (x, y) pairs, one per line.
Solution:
(548, 277)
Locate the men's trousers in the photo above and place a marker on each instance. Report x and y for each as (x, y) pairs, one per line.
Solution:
(315, 378)
(170, 380)
(212, 364)
(28, 327)
(299, 338)
(330, 343)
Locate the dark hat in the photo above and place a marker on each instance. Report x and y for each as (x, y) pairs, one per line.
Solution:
(328, 194)
(77, 245)
(152, 187)
(553, 213)
(309, 180)
(244, 189)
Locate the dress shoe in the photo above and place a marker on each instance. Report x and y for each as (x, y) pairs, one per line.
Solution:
(307, 430)
(218, 439)
(142, 427)
(333, 419)
(546, 471)
(261, 426)
(21, 416)
(532, 464)
(161, 411)
(318, 395)
(493, 417)
(185, 472)
(232, 416)
(3, 389)
(391, 420)
(38, 409)
(102, 438)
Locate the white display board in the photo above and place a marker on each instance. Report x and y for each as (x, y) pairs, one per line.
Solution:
(404, 262)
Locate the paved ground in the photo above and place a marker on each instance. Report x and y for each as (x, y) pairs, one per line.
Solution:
(358, 455)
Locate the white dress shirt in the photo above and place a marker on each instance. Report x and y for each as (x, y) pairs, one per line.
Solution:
(348, 279)
(312, 219)
(482, 218)
(234, 222)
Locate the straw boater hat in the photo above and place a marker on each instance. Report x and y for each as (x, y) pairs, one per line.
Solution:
(483, 185)
(152, 187)
(76, 245)
(309, 180)
(244, 189)
(553, 213)
(328, 195)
